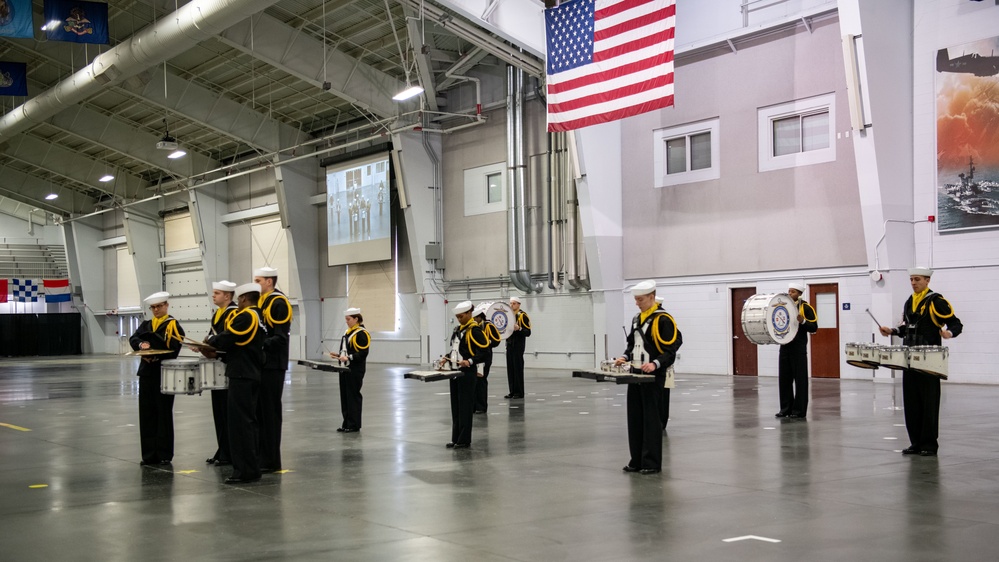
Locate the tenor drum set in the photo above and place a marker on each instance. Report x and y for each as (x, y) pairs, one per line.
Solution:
(927, 359)
(192, 376)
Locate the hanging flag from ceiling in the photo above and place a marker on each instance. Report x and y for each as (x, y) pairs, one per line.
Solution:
(76, 21)
(56, 290)
(608, 59)
(25, 290)
(15, 19)
(3, 290)
(13, 78)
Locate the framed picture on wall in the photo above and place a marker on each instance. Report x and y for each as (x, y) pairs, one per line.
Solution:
(967, 86)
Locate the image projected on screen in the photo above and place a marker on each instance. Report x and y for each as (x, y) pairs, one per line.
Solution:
(360, 225)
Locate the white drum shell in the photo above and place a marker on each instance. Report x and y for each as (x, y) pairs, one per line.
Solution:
(770, 318)
(929, 359)
(501, 316)
(863, 355)
(213, 375)
(180, 376)
(608, 366)
(894, 357)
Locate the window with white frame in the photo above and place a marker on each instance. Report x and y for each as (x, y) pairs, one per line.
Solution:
(687, 153)
(485, 189)
(797, 133)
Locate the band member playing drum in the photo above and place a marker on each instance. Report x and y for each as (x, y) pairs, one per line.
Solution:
(652, 345)
(792, 365)
(482, 382)
(354, 353)
(927, 318)
(242, 340)
(471, 344)
(156, 409)
(276, 312)
(515, 345)
(222, 295)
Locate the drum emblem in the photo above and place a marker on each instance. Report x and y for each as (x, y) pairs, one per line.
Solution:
(498, 319)
(780, 318)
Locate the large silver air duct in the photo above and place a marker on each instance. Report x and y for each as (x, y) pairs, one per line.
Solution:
(170, 36)
(516, 199)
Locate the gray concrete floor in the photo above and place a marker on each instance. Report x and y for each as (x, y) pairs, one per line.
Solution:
(542, 480)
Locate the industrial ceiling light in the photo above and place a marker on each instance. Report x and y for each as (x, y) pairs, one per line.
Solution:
(171, 144)
(179, 153)
(408, 93)
(106, 178)
(51, 25)
(51, 196)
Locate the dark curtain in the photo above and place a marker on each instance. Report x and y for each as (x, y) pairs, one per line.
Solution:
(40, 334)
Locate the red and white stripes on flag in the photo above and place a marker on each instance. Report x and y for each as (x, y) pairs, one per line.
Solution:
(56, 290)
(608, 59)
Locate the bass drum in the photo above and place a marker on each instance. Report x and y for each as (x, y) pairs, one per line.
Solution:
(501, 316)
(770, 319)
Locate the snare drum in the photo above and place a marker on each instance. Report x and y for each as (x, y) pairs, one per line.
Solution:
(894, 356)
(181, 376)
(929, 359)
(213, 375)
(863, 355)
(770, 318)
(608, 366)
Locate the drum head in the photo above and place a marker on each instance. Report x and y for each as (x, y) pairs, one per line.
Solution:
(782, 319)
(501, 316)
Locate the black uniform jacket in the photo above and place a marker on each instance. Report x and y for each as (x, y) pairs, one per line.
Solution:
(799, 344)
(168, 335)
(243, 343)
(518, 336)
(276, 314)
(660, 338)
(922, 326)
(222, 315)
(473, 343)
(355, 344)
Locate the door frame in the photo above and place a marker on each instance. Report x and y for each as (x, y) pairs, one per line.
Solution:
(732, 331)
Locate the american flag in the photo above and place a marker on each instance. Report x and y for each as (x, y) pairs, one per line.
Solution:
(608, 59)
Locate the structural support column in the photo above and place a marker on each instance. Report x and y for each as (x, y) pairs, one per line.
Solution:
(295, 184)
(81, 248)
(142, 235)
(207, 206)
(415, 176)
(600, 190)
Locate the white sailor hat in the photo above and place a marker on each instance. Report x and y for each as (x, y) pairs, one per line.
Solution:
(248, 288)
(796, 285)
(515, 298)
(480, 309)
(923, 271)
(225, 286)
(265, 272)
(644, 288)
(463, 307)
(352, 312)
(157, 298)
(660, 300)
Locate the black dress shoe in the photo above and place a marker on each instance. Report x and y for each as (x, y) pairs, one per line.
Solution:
(349, 430)
(650, 471)
(223, 463)
(211, 460)
(148, 463)
(781, 414)
(629, 468)
(510, 396)
(927, 453)
(462, 445)
(166, 462)
(796, 416)
(450, 445)
(910, 451)
(339, 430)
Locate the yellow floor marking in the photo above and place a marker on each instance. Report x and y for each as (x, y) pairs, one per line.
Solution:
(185, 471)
(39, 486)
(17, 427)
(285, 471)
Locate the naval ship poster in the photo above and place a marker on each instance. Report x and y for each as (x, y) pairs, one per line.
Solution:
(967, 81)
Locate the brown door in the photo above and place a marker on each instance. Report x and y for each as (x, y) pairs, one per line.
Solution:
(743, 351)
(825, 342)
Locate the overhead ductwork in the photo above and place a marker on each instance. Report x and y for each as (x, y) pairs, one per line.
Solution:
(167, 38)
(516, 180)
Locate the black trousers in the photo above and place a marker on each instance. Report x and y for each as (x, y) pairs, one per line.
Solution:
(792, 383)
(351, 399)
(155, 420)
(921, 401)
(482, 387)
(269, 417)
(243, 428)
(220, 412)
(515, 366)
(664, 407)
(645, 430)
(462, 406)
